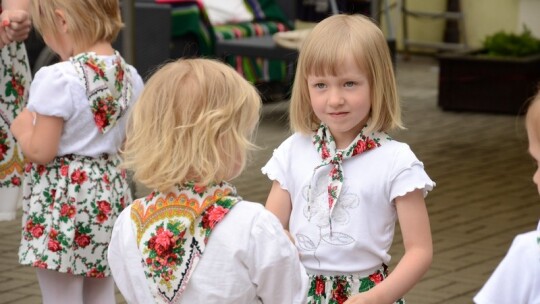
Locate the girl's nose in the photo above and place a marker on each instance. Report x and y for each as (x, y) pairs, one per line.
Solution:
(335, 98)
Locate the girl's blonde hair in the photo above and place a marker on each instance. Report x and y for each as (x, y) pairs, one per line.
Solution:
(88, 21)
(324, 52)
(194, 121)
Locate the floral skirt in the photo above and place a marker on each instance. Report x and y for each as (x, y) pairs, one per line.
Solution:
(69, 209)
(337, 289)
(14, 83)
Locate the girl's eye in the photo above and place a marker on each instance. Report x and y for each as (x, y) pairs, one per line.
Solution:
(320, 85)
(349, 84)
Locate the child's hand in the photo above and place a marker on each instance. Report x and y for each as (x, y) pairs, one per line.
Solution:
(15, 26)
(22, 124)
(361, 298)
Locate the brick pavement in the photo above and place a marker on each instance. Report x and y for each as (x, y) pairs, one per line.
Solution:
(484, 194)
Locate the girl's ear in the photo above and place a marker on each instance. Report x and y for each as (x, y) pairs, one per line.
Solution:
(61, 22)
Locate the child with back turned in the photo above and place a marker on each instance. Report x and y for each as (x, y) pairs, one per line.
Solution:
(340, 181)
(71, 132)
(517, 278)
(194, 239)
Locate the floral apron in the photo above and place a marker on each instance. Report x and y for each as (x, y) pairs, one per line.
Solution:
(14, 83)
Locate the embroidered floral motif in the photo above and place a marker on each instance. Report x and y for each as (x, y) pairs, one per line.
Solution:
(172, 231)
(68, 218)
(108, 89)
(337, 289)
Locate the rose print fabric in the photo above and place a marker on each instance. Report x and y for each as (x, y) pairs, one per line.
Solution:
(337, 289)
(15, 77)
(331, 156)
(172, 231)
(108, 89)
(69, 209)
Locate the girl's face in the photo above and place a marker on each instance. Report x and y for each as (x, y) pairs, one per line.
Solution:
(534, 150)
(342, 102)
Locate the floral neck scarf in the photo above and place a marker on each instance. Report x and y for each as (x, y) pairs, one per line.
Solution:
(326, 146)
(172, 231)
(109, 89)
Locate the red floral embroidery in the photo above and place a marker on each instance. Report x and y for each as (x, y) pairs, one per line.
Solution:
(213, 215)
(16, 181)
(64, 170)
(319, 286)
(376, 278)
(78, 177)
(67, 210)
(82, 240)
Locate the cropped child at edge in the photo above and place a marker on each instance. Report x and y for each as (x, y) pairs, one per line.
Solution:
(340, 181)
(194, 239)
(517, 278)
(70, 132)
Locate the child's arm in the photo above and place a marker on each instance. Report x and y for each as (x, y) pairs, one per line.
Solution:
(279, 203)
(415, 228)
(39, 142)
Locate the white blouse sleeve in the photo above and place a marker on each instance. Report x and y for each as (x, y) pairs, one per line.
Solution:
(50, 93)
(275, 267)
(277, 167)
(125, 262)
(409, 175)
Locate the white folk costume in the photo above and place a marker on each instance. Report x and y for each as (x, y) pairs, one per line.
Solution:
(343, 212)
(204, 245)
(71, 203)
(517, 277)
(15, 77)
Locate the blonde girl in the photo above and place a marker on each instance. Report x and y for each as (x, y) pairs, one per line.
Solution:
(194, 239)
(70, 132)
(517, 277)
(340, 181)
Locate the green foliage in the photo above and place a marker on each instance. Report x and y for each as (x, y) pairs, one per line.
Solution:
(509, 44)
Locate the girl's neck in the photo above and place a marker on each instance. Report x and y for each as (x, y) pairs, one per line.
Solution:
(102, 48)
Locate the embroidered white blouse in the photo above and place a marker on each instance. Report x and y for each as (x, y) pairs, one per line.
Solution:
(248, 259)
(57, 91)
(363, 219)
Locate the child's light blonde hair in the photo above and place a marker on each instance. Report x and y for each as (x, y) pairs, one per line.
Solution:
(194, 122)
(88, 21)
(324, 52)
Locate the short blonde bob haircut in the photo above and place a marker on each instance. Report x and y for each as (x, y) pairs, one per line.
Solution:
(194, 122)
(324, 52)
(88, 21)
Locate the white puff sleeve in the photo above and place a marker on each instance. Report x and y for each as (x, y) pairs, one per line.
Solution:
(50, 93)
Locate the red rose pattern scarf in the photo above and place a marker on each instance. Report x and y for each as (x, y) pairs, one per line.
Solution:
(331, 156)
(109, 89)
(172, 231)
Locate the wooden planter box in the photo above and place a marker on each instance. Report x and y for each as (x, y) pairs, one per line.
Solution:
(475, 82)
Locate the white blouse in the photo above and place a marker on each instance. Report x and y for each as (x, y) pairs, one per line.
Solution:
(517, 277)
(248, 259)
(56, 90)
(363, 219)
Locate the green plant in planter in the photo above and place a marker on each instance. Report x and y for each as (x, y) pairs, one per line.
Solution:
(509, 44)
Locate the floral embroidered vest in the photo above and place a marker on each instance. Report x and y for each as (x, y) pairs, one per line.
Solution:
(172, 232)
(109, 89)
